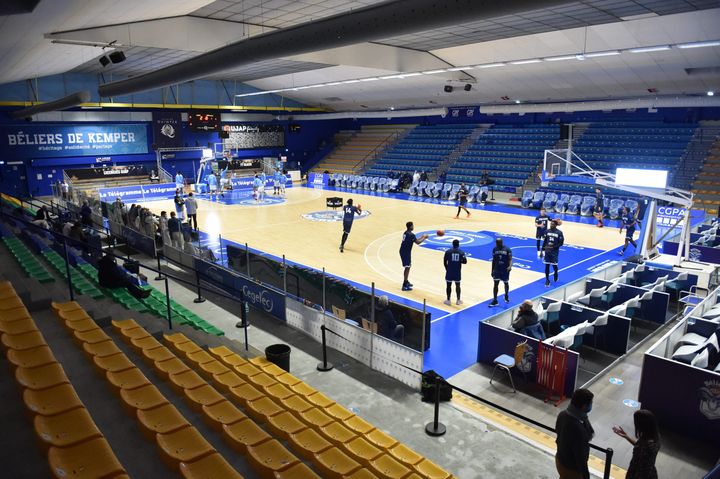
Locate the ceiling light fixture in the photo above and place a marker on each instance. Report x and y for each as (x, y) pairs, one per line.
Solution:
(392, 77)
(347, 82)
(699, 44)
(370, 79)
(517, 102)
(457, 69)
(659, 48)
(580, 57)
(491, 65)
(602, 54)
(710, 93)
(433, 72)
(526, 62)
(559, 59)
(408, 75)
(333, 83)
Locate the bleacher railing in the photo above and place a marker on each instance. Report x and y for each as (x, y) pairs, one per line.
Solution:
(372, 156)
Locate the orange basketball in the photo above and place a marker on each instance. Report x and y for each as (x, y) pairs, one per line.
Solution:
(440, 232)
(558, 221)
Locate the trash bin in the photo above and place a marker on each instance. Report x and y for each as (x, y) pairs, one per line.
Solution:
(279, 354)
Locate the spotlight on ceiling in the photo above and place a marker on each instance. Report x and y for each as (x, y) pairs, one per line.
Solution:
(710, 93)
(517, 102)
(104, 61)
(448, 88)
(468, 87)
(117, 57)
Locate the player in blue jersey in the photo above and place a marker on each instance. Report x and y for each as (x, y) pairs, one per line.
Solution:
(256, 187)
(552, 242)
(408, 240)
(179, 181)
(501, 266)
(212, 183)
(629, 222)
(453, 260)
(349, 212)
(462, 196)
(278, 181)
(599, 210)
(224, 181)
(541, 227)
(263, 181)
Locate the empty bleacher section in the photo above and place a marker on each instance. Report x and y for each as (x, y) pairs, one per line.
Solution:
(707, 182)
(361, 149)
(509, 154)
(422, 149)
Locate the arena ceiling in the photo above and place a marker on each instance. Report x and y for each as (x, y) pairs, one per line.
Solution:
(70, 36)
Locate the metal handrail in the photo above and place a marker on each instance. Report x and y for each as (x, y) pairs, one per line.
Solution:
(374, 151)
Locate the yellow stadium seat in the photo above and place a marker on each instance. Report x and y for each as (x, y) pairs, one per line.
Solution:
(363, 451)
(298, 471)
(69, 306)
(203, 396)
(307, 442)
(233, 360)
(183, 445)
(186, 348)
(380, 439)
(364, 474)
(131, 378)
(287, 379)
(386, 466)
(188, 379)
(42, 377)
(270, 457)
(296, 404)
(12, 302)
(160, 420)
(430, 470)
(198, 356)
(262, 408)
(122, 324)
(176, 338)
(262, 380)
(90, 459)
(31, 358)
(145, 343)
(146, 397)
(338, 434)
(278, 391)
(244, 434)
(82, 325)
(101, 349)
(245, 393)
(247, 370)
(316, 418)
(406, 455)
(133, 333)
(10, 315)
(170, 366)
(359, 425)
(221, 414)
(338, 412)
(73, 315)
(51, 401)
(66, 429)
(221, 351)
(227, 380)
(285, 424)
(20, 326)
(209, 467)
(19, 342)
(208, 370)
(92, 336)
(334, 463)
(115, 363)
(157, 354)
(270, 368)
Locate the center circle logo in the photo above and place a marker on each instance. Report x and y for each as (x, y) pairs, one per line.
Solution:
(328, 216)
(466, 238)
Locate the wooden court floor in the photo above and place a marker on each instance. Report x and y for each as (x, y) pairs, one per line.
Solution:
(371, 252)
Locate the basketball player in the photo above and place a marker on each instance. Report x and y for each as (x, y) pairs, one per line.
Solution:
(599, 211)
(277, 182)
(349, 212)
(552, 242)
(261, 188)
(541, 226)
(462, 200)
(224, 181)
(212, 185)
(628, 221)
(501, 266)
(453, 261)
(256, 188)
(179, 181)
(408, 240)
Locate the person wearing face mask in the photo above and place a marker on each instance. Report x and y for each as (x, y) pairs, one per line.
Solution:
(574, 433)
(646, 445)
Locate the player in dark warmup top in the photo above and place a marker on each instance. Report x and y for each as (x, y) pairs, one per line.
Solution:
(408, 240)
(628, 221)
(552, 242)
(453, 261)
(541, 226)
(599, 211)
(501, 266)
(349, 212)
(462, 196)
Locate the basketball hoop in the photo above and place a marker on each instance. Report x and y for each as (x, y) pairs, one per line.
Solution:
(545, 178)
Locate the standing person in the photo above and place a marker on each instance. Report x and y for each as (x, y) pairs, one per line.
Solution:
(179, 181)
(501, 267)
(224, 181)
(175, 229)
(256, 188)
(599, 211)
(164, 232)
(453, 260)
(552, 242)
(212, 183)
(628, 221)
(416, 178)
(462, 196)
(118, 213)
(277, 182)
(261, 187)
(646, 445)
(541, 227)
(85, 214)
(574, 433)
(179, 203)
(408, 240)
(349, 212)
(191, 207)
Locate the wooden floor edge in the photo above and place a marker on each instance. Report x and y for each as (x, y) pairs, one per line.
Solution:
(525, 432)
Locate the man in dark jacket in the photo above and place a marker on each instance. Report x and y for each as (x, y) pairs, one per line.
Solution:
(526, 317)
(388, 326)
(574, 433)
(110, 275)
(86, 214)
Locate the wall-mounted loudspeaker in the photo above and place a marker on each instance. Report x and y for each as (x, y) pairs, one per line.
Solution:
(448, 88)
(104, 61)
(468, 87)
(117, 57)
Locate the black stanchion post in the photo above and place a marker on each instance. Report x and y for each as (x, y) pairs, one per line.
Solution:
(199, 298)
(67, 271)
(160, 276)
(608, 463)
(324, 365)
(167, 301)
(436, 428)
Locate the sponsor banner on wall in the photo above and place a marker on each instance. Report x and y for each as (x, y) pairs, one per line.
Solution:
(55, 140)
(138, 192)
(167, 129)
(108, 172)
(318, 179)
(247, 183)
(255, 294)
(253, 135)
